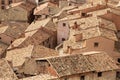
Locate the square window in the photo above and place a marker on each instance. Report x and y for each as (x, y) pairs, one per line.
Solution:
(3, 2)
(63, 39)
(10, 1)
(65, 79)
(64, 24)
(46, 16)
(11, 41)
(83, 14)
(82, 78)
(119, 60)
(3, 7)
(96, 44)
(118, 74)
(40, 0)
(99, 74)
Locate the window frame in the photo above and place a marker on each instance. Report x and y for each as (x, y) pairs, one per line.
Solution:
(118, 60)
(82, 77)
(64, 24)
(99, 74)
(63, 39)
(96, 44)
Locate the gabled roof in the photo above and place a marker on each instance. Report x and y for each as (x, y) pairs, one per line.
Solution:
(6, 72)
(17, 56)
(40, 77)
(38, 24)
(111, 17)
(20, 10)
(70, 17)
(41, 52)
(24, 4)
(3, 29)
(13, 29)
(78, 63)
(27, 6)
(75, 45)
(114, 4)
(14, 4)
(32, 37)
(96, 32)
(100, 12)
(38, 10)
(69, 8)
(87, 7)
(3, 47)
(89, 22)
(82, 7)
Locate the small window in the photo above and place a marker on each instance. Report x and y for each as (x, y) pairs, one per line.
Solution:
(65, 79)
(48, 65)
(39, 16)
(69, 4)
(3, 2)
(3, 7)
(96, 44)
(46, 16)
(99, 74)
(49, 46)
(119, 60)
(82, 78)
(11, 41)
(10, 1)
(43, 43)
(64, 24)
(63, 39)
(118, 30)
(83, 14)
(118, 74)
(40, 0)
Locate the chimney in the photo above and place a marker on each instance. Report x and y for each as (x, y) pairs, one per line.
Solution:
(75, 25)
(108, 11)
(69, 49)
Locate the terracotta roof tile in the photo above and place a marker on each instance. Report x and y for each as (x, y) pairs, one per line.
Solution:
(13, 29)
(40, 77)
(38, 24)
(3, 47)
(6, 72)
(33, 37)
(76, 64)
(17, 56)
(40, 9)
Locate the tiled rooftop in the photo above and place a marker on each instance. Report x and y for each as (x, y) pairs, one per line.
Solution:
(40, 77)
(13, 29)
(6, 72)
(37, 24)
(76, 64)
(33, 37)
(17, 56)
